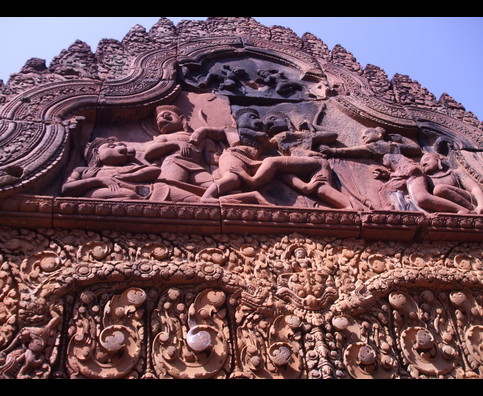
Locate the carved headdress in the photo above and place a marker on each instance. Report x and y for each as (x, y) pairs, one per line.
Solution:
(91, 150)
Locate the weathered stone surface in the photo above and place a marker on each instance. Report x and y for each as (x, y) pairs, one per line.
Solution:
(222, 199)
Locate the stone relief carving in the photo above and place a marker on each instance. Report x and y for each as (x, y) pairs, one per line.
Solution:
(185, 165)
(232, 306)
(281, 152)
(195, 131)
(249, 72)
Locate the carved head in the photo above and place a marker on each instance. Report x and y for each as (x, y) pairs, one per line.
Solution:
(277, 122)
(300, 253)
(431, 163)
(249, 119)
(108, 152)
(372, 135)
(170, 119)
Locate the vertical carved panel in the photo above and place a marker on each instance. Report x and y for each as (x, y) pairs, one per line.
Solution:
(106, 334)
(191, 337)
(425, 334)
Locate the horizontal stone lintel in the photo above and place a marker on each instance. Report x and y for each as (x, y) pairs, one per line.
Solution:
(28, 211)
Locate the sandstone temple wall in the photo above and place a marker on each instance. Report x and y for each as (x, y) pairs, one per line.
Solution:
(223, 199)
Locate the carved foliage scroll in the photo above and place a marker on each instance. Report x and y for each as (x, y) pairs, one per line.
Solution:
(105, 337)
(115, 305)
(191, 337)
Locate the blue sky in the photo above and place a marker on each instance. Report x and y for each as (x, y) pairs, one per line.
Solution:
(444, 54)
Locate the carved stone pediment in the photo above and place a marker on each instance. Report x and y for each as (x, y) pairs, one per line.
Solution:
(315, 114)
(222, 199)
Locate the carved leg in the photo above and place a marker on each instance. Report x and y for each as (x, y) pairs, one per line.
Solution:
(330, 195)
(229, 182)
(299, 166)
(419, 192)
(454, 194)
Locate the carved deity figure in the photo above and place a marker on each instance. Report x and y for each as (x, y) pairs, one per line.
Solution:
(246, 155)
(175, 152)
(376, 143)
(303, 284)
(27, 351)
(284, 134)
(451, 184)
(408, 176)
(278, 81)
(304, 170)
(228, 78)
(112, 173)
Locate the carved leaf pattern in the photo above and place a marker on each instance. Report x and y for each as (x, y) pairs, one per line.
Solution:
(129, 304)
(190, 335)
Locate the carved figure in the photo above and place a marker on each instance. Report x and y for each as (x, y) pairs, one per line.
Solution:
(26, 352)
(282, 131)
(409, 176)
(173, 149)
(304, 284)
(303, 169)
(376, 143)
(228, 79)
(451, 184)
(184, 156)
(278, 81)
(245, 156)
(112, 173)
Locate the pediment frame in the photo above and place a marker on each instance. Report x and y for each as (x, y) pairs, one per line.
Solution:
(154, 80)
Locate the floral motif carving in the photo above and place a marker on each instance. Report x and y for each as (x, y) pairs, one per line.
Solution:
(221, 199)
(228, 306)
(106, 343)
(190, 335)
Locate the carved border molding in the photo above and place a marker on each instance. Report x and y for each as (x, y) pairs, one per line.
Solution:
(139, 216)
